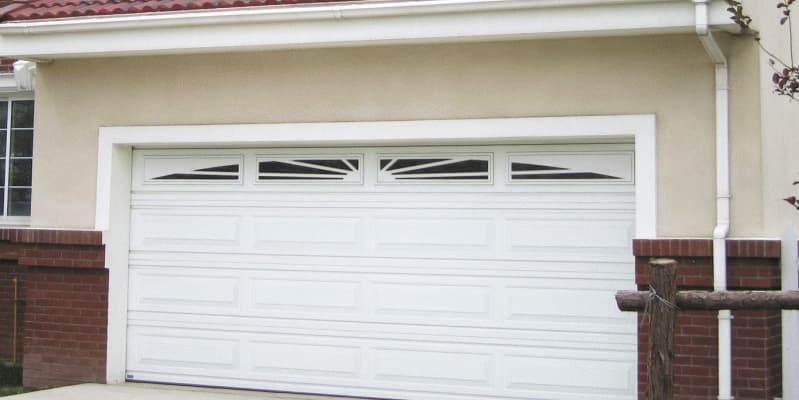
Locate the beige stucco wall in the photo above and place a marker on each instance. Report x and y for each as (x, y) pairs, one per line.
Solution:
(779, 124)
(669, 76)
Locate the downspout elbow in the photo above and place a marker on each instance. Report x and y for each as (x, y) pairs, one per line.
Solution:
(721, 231)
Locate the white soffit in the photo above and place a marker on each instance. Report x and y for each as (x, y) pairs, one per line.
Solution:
(347, 24)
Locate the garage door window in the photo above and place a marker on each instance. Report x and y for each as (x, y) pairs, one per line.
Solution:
(16, 157)
(435, 168)
(339, 168)
(594, 167)
(193, 169)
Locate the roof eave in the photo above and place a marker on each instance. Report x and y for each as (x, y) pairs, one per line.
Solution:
(346, 24)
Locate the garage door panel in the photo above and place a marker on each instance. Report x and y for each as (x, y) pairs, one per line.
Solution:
(589, 376)
(166, 230)
(421, 299)
(563, 269)
(620, 341)
(585, 306)
(398, 364)
(450, 234)
(377, 363)
(329, 296)
(151, 288)
(431, 300)
(183, 349)
(490, 288)
(307, 359)
(283, 233)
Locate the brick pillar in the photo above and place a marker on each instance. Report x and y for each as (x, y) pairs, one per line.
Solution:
(752, 265)
(66, 304)
(65, 335)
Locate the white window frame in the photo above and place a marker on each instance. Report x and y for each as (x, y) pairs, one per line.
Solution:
(18, 220)
(115, 149)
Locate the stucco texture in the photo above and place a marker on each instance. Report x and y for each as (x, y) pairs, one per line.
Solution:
(670, 76)
(779, 124)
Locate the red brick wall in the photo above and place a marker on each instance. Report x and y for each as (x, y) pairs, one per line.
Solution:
(8, 271)
(756, 335)
(65, 332)
(66, 304)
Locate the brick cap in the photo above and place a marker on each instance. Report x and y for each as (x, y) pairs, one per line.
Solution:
(736, 248)
(51, 236)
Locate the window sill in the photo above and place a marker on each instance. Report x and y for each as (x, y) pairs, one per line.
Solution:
(15, 222)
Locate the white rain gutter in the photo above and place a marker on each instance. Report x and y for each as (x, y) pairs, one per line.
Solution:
(722, 228)
(345, 24)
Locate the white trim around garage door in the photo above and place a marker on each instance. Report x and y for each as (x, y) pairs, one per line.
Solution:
(116, 144)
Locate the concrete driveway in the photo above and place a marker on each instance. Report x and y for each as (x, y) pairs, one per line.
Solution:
(140, 391)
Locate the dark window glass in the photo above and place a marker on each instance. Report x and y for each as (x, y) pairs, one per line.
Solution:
(443, 178)
(21, 143)
(2, 172)
(3, 114)
(519, 167)
(454, 167)
(200, 177)
(2, 142)
(300, 178)
(413, 163)
(22, 114)
(21, 172)
(221, 168)
(564, 176)
(19, 201)
(338, 164)
(277, 167)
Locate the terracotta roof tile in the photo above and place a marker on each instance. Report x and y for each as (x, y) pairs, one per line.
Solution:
(20, 10)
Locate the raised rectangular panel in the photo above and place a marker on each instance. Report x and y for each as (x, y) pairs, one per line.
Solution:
(570, 374)
(274, 231)
(183, 290)
(183, 351)
(432, 367)
(572, 304)
(306, 359)
(165, 230)
(570, 233)
(427, 232)
(310, 296)
(432, 300)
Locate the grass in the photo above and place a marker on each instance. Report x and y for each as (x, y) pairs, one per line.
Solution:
(10, 390)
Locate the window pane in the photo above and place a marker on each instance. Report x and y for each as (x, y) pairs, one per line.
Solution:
(2, 142)
(22, 114)
(3, 114)
(2, 173)
(21, 143)
(19, 201)
(21, 172)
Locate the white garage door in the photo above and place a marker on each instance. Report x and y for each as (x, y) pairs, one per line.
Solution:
(479, 272)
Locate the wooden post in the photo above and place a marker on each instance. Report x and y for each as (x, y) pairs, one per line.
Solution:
(661, 329)
(630, 300)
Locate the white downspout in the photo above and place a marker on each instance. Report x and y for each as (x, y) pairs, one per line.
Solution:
(722, 228)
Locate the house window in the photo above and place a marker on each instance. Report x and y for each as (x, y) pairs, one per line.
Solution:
(16, 157)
